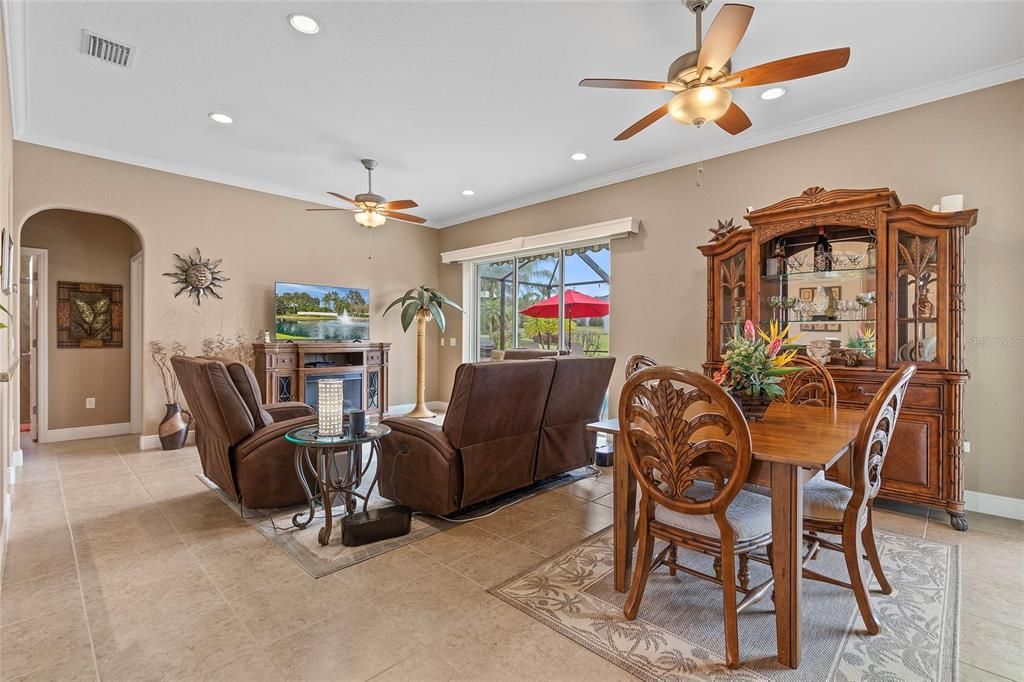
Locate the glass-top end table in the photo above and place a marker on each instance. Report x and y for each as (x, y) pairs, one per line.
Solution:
(317, 458)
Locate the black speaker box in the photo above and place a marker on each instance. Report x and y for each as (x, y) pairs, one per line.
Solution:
(375, 524)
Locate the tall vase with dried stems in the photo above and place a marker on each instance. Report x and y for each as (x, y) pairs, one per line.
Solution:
(422, 305)
(173, 429)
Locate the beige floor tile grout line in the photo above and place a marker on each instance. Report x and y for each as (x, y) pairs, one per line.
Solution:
(202, 568)
(78, 572)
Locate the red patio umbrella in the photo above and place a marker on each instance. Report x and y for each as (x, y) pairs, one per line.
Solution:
(577, 306)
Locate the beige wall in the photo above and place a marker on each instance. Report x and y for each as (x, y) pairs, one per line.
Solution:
(8, 342)
(262, 238)
(972, 144)
(85, 247)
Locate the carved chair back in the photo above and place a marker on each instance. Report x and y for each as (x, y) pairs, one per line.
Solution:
(637, 362)
(679, 428)
(812, 385)
(875, 436)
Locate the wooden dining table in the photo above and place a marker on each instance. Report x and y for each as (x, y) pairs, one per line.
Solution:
(790, 445)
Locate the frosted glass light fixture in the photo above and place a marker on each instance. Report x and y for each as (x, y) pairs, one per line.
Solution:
(331, 407)
(700, 104)
(370, 218)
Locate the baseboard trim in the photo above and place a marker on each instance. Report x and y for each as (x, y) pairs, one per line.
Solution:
(152, 441)
(11, 474)
(17, 457)
(995, 505)
(82, 432)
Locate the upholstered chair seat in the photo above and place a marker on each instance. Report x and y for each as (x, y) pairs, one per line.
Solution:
(825, 500)
(749, 514)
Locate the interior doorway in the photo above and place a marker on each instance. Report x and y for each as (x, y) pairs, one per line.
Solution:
(33, 262)
(81, 310)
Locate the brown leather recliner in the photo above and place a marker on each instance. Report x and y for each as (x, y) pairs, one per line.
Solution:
(241, 441)
(576, 397)
(508, 425)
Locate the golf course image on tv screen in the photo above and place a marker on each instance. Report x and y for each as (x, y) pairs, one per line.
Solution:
(314, 312)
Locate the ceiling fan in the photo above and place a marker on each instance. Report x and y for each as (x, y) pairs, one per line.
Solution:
(701, 79)
(373, 210)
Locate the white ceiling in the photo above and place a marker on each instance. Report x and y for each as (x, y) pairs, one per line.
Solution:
(455, 95)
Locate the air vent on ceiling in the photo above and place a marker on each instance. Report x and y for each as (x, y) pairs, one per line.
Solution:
(107, 50)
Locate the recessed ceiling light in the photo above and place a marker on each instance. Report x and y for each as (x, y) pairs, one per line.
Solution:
(773, 93)
(468, 192)
(578, 156)
(304, 24)
(221, 118)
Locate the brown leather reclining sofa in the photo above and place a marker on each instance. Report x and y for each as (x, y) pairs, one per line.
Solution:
(509, 424)
(240, 441)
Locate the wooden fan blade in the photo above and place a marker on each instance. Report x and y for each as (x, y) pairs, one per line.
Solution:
(627, 84)
(399, 203)
(734, 120)
(328, 209)
(722, 39)
(404, 217)
(642, 123)
(791, 68)
(342, 197)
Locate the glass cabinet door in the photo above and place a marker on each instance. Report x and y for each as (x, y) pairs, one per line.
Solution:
(733, 295)
(919, 302)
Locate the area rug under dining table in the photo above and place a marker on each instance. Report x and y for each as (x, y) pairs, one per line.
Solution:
(679, 631)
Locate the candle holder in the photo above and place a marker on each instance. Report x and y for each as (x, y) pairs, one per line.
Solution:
(331, 407)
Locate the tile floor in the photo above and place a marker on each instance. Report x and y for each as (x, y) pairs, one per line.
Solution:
(122, 565)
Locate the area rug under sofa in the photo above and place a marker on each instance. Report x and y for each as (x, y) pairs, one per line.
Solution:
(320, 560)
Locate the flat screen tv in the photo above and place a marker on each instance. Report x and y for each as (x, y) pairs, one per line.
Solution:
(316, 312)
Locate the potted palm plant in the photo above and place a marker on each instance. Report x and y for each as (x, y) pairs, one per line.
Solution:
(422, 305)
(753, 366)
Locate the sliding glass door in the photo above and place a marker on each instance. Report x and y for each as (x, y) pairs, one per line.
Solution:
(550, 301)
(495, 307)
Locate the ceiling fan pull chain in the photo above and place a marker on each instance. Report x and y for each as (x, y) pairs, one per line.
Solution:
(700, 156)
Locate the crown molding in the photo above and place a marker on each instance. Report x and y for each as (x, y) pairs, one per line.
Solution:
(17, 63)
(14, 21)
(960, 85)
(186, 170)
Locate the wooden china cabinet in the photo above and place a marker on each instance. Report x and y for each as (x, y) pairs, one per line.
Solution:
(912, 260)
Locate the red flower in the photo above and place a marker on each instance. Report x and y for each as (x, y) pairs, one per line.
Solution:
(749, 330)
(774, 347)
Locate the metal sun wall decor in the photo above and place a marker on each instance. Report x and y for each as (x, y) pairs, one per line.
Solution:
(198, 276)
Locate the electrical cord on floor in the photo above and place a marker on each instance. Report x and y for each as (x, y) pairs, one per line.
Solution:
(594, 473)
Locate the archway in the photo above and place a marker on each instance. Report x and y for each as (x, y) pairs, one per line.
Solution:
(80, 315)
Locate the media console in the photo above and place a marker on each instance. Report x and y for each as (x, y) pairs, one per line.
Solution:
(289, 370)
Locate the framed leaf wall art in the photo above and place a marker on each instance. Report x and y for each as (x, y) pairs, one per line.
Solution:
(90, 315)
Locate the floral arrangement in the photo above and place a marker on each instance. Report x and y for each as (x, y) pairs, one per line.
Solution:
(865, 341)
(755, 361)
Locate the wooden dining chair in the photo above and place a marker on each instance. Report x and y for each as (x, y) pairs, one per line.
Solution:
(812, 385)
(637, 362)
(689, 448)
(835, 509)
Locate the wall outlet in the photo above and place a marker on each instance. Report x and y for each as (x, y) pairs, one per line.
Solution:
(442, 341)
(90, 403)
(451, 342)
(967, 447)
